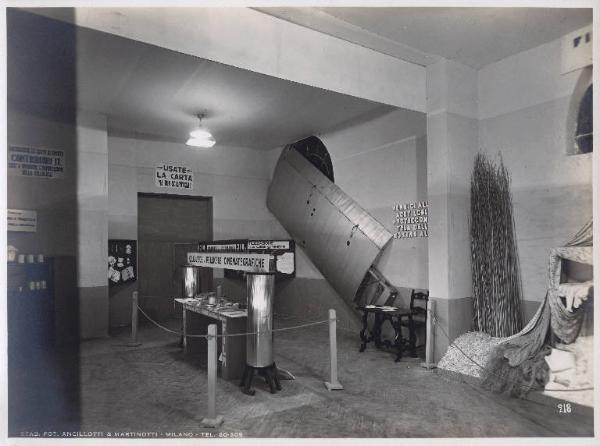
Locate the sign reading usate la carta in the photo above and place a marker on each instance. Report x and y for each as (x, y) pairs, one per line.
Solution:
(172, 176)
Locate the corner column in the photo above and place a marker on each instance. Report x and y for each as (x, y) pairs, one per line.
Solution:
(452, 142)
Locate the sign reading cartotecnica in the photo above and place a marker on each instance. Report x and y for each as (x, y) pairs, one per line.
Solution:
(174, 177)
(411, 219)
(36, 163)
(257, 263)
(21, 221)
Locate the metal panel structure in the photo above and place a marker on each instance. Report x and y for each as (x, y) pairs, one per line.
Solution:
(260, 290)
(341, 238)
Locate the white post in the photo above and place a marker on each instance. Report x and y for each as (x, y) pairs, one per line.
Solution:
(212, 420)
(429, 341)
(333, 384)
(133, 342)
(184, 335)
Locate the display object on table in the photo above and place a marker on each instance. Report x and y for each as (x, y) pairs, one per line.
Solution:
(122, 261)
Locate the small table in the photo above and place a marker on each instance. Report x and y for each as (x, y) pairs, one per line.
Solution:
(232, 350)
(394, 315)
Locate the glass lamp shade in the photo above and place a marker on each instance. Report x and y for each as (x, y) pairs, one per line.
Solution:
(201, 142)
(200, 133)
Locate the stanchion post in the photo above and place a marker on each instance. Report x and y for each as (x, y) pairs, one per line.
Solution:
(212, 420)
(133, 342)
(333, 383)
(429, 341)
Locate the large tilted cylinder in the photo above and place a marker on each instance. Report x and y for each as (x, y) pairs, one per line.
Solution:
(260, 292)
(341, 238)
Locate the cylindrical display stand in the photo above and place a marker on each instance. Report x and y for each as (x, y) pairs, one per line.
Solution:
(190, 284)
(260, 291)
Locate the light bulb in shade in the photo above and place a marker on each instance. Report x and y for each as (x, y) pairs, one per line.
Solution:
(201, 142)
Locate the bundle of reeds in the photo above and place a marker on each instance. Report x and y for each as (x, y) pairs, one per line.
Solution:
(494, 257)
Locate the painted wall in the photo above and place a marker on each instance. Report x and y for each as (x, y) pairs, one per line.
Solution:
(71, 211)
(380, 163)
(54, 200)
(524, 104)
(235, 177)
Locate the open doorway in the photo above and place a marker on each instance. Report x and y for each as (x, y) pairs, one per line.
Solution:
(166, 224)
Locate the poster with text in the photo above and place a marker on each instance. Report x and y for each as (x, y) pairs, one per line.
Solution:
(36, 162)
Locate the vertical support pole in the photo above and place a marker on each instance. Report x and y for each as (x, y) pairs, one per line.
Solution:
(333, 384)
(212, 420)
(133, 342)
(184, 330)
(429, 341)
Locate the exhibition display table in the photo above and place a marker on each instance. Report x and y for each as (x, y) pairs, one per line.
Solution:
(198, 314)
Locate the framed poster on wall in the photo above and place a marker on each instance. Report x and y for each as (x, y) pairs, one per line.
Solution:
(122, 261)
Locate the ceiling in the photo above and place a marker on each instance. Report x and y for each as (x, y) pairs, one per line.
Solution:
(472, 36)
(153, 92)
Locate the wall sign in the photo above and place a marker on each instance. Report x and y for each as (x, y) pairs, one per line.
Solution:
(174, 177)
(258, 263)
(19, 220)
(411, 219)
(254, 245)
(36, 163)
(223, 246)
(122, 260)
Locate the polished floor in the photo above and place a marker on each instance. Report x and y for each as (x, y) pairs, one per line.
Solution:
(155, 388)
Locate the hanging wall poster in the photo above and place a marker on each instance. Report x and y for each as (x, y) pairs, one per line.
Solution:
(122, 261)
(20, 220)
(411, 219)
(172, 176)
(36, 163)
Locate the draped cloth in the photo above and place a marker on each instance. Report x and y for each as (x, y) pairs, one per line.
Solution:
(517, 364)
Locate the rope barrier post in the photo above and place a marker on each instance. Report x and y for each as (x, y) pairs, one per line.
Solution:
(212, 420)
(333, 384)
(429, 340)
(133, 342)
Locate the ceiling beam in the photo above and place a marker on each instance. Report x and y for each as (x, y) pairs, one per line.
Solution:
(251, 40)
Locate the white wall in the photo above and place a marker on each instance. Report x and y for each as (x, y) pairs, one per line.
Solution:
(524, 103)
(380, 163)
(237, 179)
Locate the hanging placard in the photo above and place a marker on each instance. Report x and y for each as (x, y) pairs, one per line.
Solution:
(257, 263)
(36, 163)
(172, 176)
(411, 219)
(19, 220)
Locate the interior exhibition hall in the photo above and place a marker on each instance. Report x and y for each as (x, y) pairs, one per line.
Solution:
(299, 222)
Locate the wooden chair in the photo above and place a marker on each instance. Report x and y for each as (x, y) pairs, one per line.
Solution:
(413, 317)
(417, 316)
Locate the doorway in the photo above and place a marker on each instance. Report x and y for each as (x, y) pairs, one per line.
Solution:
(169, 226)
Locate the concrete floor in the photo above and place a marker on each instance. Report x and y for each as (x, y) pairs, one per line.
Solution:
(154, 388)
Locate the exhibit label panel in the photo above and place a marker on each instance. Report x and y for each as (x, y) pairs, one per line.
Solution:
(19, 220)
(36, 163)
(256, 263)
(411, 219)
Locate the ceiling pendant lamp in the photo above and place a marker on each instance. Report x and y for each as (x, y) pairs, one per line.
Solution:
(200, 137)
